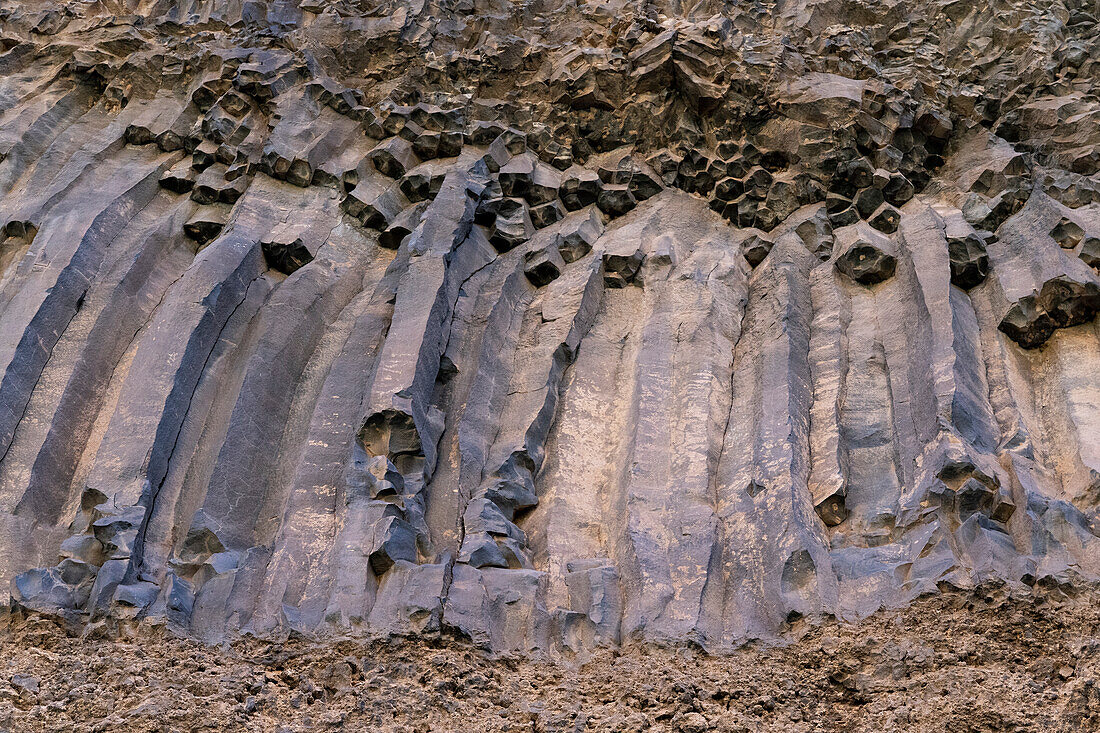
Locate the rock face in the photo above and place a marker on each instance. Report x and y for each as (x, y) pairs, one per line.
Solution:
(555, 326)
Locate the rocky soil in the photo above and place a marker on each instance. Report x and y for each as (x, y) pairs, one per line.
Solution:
(961, 661)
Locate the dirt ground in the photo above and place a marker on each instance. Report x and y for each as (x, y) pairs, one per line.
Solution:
(956, 662)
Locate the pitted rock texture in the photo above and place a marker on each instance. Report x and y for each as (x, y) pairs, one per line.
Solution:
(557, 326)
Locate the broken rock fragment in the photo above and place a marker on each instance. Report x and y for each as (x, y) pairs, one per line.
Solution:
(394, 158)
(969, 261)
(1068, 234)
(619, 270)
(286, 256)
(546, 214)
(577, 234)
(616, 200)
(391, 539)
(1061, 303)
(756, 248)
(868, 259)
(579, 188)
(1090, 252)
(512, 225)
(205, 224)
(543, 265)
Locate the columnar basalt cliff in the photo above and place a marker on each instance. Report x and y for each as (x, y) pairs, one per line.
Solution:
(553, 325)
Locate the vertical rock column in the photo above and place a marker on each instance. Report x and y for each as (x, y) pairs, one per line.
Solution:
(771, 563)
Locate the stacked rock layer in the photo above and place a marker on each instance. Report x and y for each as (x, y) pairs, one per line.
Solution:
(552, 325)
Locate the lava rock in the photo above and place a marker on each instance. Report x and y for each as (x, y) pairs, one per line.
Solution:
(286, 257)
(205, 224)
(755, 249)
(544, 265)
(1068, 234)
(616, 200)
(579, 188)
(1090, 252)
(969, 261)
(392, 539)
(577, 235)
(620, 270)
(547, 214)
(867, 260)
(512, 225)
(394, 158)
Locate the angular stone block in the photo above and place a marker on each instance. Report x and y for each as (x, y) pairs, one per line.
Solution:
(620, 270)
(577, 235)
(392, 539)
(512, 225)
(579, 188)
(544, 265)
(868, 260)
(287, 257)
(394, 158)
(755, 249)
(969, 261)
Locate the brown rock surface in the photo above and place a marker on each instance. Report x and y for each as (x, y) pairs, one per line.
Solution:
(960, 661)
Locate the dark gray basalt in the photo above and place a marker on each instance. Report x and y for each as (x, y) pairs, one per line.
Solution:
(553, 326)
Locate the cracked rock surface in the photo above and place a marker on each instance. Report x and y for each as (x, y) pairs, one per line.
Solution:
(557, 326)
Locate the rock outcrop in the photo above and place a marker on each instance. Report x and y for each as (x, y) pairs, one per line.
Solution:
(554, 326)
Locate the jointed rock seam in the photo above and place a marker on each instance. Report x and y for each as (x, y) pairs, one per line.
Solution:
(555, 325)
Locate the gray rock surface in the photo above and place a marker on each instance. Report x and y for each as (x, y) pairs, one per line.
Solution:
(554, 326)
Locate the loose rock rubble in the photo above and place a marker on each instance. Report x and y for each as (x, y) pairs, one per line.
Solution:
(961, 661)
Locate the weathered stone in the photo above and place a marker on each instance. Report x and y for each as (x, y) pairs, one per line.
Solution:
(816, 233)
(579, 189)
(227, 406)
(868, 259)
(898, 190)
(286, 257)
(481, 550)
(394, 158)
(886, 219)
(375, 207)
(729, 189)
(544, 265)
(546, 214)
(179, 178)
(204, 155)
(843, 217)
(402, 226)
(969, 261)
(757, 183)
(543, 187)
(616, 200)
(643, 184)
(500, 152)
(516, 175)
(392, 540)
(512, 225)
(421, 185)
(867, 202)
(1068, 234)
(620, 270)
(577, 235)
(857, 173)
(755, 249)
(1090, 252)
(1061, 303)
(205, 224)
